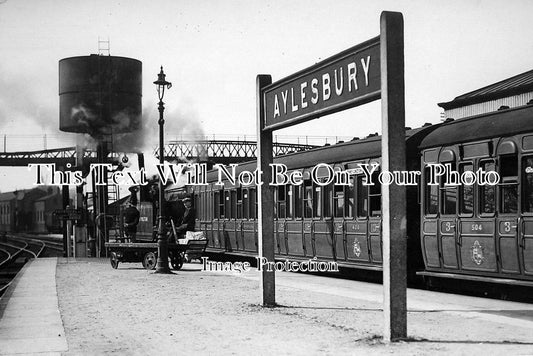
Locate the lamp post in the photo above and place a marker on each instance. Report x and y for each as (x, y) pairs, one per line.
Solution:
(162, 247)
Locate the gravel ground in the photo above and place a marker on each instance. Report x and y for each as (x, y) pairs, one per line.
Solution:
(132, 311)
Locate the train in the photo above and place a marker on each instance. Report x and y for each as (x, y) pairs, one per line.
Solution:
(31, 210)
(467, 232)
(470, 232)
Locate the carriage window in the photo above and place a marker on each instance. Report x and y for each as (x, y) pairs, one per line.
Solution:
(216, 199)
(467, 191)
(227, 205)
(338, 201)
(239, 203)
(212, 203)
(233, 204)
(509, 184)
(199, 205)
(349, 198)
(308, 199)
(275, 202)
(206, 205)
(317, 201)
(327, 191)
(281, 202)
(527, 180)
(432, 195)
(449, 195)
(199, 212)
(219, 204)
(297, 201)
(253, 203)
(290, 201)
(487, 193)
(362, 198)
(245, 203)
(374, 196)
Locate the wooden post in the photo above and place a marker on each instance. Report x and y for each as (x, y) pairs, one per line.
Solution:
(66, 202)
(393, 159)
(69, 237)
(265, 197)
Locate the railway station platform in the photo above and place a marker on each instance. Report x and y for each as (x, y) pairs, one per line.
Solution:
(83, 306)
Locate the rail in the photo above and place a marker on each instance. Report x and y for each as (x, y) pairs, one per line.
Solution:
(4, 287)
(18, 247)
(7, 259)
(21, 249)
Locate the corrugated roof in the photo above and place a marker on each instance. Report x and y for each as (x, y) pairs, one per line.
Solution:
(495, 124)
(518, 84)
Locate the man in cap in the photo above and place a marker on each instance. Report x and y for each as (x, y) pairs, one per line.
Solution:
(131, 219)
(188, 220)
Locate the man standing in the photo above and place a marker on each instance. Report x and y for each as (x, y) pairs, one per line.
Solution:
(131, 219)
(189, 219)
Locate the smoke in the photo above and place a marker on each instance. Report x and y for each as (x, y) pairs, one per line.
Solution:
(28, 104)
(146, 138)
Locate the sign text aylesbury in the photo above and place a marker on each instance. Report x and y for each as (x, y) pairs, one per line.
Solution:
(347, 79)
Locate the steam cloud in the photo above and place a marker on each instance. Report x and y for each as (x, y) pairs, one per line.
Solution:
(25, 105)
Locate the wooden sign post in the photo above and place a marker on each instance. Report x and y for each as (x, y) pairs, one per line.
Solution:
(265, 196)
(393, 195)
(356, 76)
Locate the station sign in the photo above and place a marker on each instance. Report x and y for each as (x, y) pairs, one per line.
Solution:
(68, 214)
(347, 79)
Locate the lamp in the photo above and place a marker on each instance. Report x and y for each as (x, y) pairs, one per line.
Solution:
(162, 246)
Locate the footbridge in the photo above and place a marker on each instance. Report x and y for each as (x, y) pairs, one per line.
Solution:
(210, 151)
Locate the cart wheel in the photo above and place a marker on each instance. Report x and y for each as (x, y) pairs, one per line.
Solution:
(113, 258)
(149, 260)
(177, 261)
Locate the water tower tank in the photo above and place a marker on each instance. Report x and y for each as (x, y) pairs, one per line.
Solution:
(100, 94)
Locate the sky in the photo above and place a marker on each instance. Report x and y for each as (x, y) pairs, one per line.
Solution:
(212, 52)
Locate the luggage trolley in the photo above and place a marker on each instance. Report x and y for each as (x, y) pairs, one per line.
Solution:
(146, 253)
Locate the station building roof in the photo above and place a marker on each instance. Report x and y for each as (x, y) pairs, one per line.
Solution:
(508, 93)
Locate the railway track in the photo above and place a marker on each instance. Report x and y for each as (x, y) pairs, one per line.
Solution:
(17, 249)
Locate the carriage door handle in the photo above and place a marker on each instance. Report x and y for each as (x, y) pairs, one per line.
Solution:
(458, 233)
(521, 234)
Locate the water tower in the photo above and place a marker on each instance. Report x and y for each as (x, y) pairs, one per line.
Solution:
(100, 96)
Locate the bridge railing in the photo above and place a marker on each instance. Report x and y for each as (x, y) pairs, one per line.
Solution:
(212, 149)
(38, 142)
(288, 139)
(218, 151)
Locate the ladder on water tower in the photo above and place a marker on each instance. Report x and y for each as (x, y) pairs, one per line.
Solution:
(103, 46)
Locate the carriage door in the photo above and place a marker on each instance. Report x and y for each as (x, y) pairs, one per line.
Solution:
(526, 223)
(507, 222)
(476, 231)
(448, 223)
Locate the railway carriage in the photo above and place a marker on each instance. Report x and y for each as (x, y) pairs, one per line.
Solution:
(470, 232)
(480, 232)
(330, 222)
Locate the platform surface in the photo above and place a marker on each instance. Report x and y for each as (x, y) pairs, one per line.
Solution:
(83, 306)
(30, 321)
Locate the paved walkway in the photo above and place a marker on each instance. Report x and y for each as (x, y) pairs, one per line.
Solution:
(30, 321)
(83, 306)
